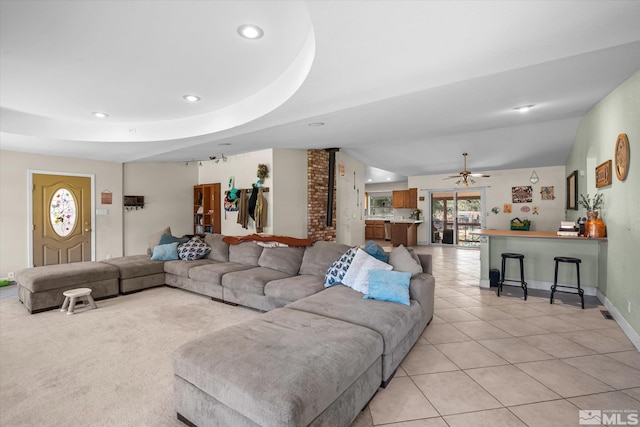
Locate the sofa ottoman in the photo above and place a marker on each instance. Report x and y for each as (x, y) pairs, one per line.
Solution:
(321, 371)
(41, 288)
(137, 272)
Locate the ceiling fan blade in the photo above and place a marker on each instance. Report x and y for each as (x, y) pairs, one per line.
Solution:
(452, 176)
(479, 175)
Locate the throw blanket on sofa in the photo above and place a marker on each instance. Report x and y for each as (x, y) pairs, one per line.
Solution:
(289, 241)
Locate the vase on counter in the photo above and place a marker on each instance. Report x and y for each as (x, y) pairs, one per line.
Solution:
(594, 227)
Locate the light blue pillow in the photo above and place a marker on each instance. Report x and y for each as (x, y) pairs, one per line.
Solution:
(166, 252)
(376, 251)
(385, 285)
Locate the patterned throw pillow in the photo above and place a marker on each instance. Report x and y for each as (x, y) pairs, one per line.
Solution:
(193, 249)
(339, 268)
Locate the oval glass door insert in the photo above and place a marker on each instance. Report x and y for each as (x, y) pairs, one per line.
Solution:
(63, 212)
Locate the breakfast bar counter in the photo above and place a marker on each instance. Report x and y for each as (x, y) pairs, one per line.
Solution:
(539, 249)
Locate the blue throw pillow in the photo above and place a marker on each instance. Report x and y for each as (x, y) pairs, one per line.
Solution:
(387, 285)
(376, 251)
(166, 252)
(168, 238)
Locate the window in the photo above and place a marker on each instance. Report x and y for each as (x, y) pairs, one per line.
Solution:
(62, 213)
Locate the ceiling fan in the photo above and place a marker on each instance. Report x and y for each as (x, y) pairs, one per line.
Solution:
(465, 177)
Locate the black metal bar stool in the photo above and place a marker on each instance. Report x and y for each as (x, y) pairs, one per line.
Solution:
(523, 284)
(555, 285)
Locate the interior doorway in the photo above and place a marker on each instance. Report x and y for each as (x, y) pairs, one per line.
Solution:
(62, 219)
(454, 215)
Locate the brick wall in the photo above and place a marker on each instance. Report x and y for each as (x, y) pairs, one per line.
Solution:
(317, 193)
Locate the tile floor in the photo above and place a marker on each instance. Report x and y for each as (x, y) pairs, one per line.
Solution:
(502, 361)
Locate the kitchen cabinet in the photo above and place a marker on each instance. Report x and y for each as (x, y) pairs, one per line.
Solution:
(206, 208)
(405, 199)
(374, 229)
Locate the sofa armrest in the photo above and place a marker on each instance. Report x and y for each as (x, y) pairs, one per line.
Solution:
(422, 289)
(426, 261)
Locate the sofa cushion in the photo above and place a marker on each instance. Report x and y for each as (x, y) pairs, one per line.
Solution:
(392, 321)
(168, 238)
(212, 273)
(389, 286)
(39, 279)
(357, 276)
(252, 280)
(181, 268)
(193, 249)
(165, 252)
(376, 251)
(294, 288)
(136, 266)
(154, 239)
(312, 360)
(318, 258)
(285, 259)
(219, 248)
(245, 253)
(339, 268)
(402, 260)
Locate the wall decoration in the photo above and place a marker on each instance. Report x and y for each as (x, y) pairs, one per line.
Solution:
(525, 209)
(522, 194)
(495, 210)
(572, 191)
(603, 174)
(534, 178)
(506, 208)
(546, 193)
(535, 210)
(622, 157)
(106, 197)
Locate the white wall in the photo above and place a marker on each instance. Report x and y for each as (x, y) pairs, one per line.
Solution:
(386, 186)
(243, 167)
(617, 113)
(498, 192)
(14, 198)
(168, 195)
(349, 207)
(289, 193)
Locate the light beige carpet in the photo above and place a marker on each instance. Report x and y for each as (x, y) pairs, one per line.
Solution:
(105, 367)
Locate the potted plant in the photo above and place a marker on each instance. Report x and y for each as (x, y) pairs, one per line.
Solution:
(591, 204)
(594, 227)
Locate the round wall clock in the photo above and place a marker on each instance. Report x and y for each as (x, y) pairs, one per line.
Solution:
(622, 156)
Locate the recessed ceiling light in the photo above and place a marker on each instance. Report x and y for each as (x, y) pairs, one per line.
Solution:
(316, 124)
(100, 115)
(369, 180)
(250, 31)
(388, 179)
(225, 143)
(524, 108)
(191, 98)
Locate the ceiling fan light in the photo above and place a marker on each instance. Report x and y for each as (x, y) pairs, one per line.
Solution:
(250, 31)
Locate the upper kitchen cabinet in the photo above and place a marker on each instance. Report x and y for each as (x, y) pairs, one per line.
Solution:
(405, 199)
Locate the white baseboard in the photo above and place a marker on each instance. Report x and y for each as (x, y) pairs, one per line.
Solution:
(631, 333)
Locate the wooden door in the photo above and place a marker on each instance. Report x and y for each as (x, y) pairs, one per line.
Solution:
(61, 219)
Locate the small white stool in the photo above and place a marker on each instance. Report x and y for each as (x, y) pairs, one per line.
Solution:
(72, 295)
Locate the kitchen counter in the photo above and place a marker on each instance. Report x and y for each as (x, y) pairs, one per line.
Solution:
(406, 221)
(404, 232)
(539, 248)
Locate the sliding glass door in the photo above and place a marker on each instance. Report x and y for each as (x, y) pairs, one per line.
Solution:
(454, 214)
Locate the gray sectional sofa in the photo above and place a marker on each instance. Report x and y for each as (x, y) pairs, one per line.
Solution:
(316, 358)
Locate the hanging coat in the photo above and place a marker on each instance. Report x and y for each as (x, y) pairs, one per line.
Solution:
(252, 203)
(243, 217)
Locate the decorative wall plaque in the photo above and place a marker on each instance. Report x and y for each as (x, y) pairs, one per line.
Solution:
(603, 174)
(622, 156)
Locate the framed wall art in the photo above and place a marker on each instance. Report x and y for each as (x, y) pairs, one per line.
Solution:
(622, 156)
(572, 191)
(603, 174)
(546, 193)
(522, 194)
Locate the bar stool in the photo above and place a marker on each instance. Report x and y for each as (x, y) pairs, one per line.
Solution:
(555, 285)
(523, 284)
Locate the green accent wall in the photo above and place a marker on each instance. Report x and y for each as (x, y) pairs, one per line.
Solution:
(618, 112)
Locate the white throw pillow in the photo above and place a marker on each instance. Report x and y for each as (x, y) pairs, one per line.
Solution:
(401, 260)
(357, 276)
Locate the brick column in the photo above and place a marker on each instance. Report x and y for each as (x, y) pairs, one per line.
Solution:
(317, 193)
